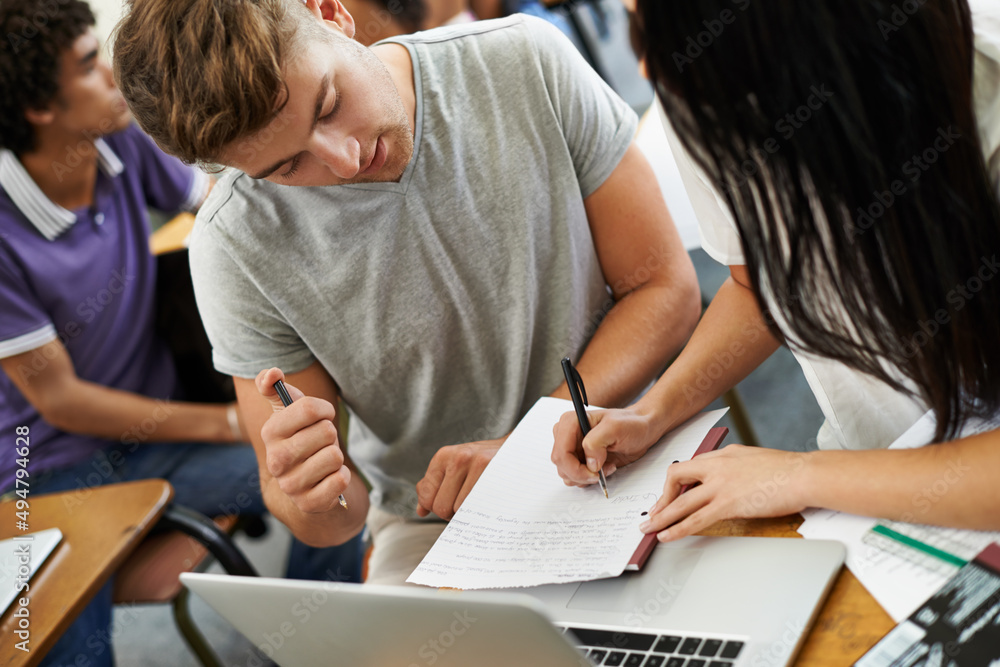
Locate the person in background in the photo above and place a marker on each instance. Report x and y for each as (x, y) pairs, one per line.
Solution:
(844, 159)
(376, 20)
(488, 9)
(380, 19)
(471, 207)
(448, 12)
(84, 374)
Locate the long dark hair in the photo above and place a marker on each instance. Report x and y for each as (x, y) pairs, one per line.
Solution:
(842, 136)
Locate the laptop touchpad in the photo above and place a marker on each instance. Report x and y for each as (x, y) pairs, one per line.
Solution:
(649, 592)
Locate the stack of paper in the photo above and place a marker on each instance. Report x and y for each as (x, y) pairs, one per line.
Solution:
(521, 526)
(898, 583)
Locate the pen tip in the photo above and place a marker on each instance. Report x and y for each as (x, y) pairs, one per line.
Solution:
(605, 492)
(343, 503)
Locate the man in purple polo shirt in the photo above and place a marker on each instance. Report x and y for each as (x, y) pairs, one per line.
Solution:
(84, 374)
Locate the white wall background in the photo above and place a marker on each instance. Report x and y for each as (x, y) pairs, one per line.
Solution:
(107, 12)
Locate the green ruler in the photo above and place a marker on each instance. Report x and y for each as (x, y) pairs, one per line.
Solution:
(928, 546)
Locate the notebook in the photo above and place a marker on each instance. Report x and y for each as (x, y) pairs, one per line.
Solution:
(710, 443)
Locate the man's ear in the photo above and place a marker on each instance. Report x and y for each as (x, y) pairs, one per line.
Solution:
(332, 11)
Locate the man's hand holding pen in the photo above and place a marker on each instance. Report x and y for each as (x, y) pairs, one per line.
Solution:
(303, 452)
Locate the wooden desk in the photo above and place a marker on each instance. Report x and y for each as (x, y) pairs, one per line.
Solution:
(100, 528)
(849, 623)
(173, 235)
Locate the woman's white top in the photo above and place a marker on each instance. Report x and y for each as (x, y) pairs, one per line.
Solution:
(861, 412)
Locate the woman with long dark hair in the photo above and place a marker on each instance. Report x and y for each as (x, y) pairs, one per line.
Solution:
(843, 157)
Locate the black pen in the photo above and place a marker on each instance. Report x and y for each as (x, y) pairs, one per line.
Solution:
(286, 400)
(578, 394)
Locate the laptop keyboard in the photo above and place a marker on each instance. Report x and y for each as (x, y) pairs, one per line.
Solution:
(635, 649)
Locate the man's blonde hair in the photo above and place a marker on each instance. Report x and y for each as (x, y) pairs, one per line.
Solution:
(200, 74)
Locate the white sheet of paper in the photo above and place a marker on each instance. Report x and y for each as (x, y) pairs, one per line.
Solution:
(521, 526)
(897, 583)
(20, 558)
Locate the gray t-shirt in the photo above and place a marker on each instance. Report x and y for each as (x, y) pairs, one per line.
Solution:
(441, 304)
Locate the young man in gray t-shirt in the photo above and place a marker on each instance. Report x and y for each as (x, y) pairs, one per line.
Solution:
(478, 211)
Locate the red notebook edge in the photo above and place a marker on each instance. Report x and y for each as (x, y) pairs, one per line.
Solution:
(988, 557)
(711, 442)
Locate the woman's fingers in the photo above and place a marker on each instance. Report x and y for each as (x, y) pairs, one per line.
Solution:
(736, 482)
(677, 510)
(692, 524)
(679, 475)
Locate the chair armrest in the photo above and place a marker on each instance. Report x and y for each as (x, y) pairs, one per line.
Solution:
(218, 543)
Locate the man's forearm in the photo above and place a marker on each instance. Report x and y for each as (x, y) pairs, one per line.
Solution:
(294, 450)
(639, 336)
(657, 299)
(91, 409)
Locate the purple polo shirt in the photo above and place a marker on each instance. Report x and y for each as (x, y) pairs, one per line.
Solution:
(87, 277)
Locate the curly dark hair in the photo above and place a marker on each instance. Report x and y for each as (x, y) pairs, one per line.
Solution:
(35, 34)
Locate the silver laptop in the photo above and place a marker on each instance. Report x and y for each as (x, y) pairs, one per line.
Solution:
(698, 602)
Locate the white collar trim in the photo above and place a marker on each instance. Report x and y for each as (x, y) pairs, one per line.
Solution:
(49, 218)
